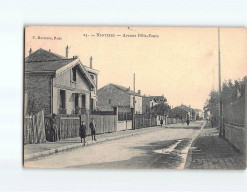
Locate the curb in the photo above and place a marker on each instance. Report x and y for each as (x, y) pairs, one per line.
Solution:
(74, 146)
(189, 155)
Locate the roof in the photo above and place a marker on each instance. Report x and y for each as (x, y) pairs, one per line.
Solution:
(42, 55)
(46, 61)
(185, 108)
(125, 89)
(47, 65)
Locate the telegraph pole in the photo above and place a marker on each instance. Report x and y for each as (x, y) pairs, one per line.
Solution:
(213, 79)
(134, 102)
(220, 100)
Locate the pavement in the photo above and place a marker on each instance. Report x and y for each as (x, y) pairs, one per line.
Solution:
(32, 151)
(209, 151)
(155, 147)
(204, 150)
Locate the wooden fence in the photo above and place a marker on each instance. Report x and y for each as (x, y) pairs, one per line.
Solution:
(141, 121)
(67, 126)
(34, 128)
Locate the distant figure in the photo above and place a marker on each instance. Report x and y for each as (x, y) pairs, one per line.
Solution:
(212, 123)
(83, 132)
(161, 122)
(92, 126)
(188, 122)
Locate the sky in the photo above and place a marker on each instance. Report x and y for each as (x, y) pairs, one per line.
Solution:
(180, 63)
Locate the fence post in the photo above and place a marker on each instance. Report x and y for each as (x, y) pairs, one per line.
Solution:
(115, 110)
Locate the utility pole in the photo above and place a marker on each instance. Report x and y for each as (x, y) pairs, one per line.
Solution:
(134, 103)
(220, 100)
(213, 79)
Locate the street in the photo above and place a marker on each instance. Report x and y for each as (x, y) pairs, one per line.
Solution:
(164, 148)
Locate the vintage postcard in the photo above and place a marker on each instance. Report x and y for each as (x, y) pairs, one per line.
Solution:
(134, 97)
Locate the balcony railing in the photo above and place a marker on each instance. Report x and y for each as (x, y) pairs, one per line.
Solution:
(62, 111)
(79, 110)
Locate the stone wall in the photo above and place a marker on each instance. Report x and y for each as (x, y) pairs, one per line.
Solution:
(236, 135)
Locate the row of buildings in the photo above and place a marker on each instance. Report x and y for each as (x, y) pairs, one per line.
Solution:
(62, 85)
(113, 95)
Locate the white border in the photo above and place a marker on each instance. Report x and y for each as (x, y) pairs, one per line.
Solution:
(15, 14)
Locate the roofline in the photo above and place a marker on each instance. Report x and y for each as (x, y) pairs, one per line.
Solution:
(136, 94)
(181, 109)
(58, 55)
(72, 64)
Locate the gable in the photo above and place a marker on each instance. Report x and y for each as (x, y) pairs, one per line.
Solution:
(65, 80)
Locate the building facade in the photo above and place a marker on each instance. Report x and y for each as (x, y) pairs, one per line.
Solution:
(58, 85)
(113, 95)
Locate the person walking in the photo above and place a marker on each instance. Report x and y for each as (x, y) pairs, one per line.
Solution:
(83, 132)
(188, 122)
(53, 128)
(161, 122)
(92, 126)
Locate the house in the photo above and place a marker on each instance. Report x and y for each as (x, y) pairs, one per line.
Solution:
(59, 84)
(198, 114)
(148, 102)
(94, 76)
(113, 95)
(183, 112)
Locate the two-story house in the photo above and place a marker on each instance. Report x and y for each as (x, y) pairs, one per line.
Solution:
(113, 95)
(59, 84)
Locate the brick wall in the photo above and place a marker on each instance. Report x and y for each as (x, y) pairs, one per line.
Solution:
(118, 98)
(38, 88)
(236, 135)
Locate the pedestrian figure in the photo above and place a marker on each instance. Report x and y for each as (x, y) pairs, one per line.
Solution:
(53, 128)
(92, 126)
(161, 122)
(83, 132)
(188, 122)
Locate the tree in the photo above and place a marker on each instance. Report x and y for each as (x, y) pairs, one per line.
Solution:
(212, 105)
(230, 94)
(161, 109)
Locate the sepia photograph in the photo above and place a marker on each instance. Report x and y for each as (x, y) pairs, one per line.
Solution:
(126, 97)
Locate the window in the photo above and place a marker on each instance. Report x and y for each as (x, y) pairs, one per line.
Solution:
(76, 100)
(109, 101)
(91, 104)
(74, 74)
(83, 101)
(62, 99)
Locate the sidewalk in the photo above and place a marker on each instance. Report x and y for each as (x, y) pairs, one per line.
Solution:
(32, 151)
(209, 151)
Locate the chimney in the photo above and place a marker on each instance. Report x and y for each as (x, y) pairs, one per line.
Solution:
(91, 62)
(49, 50)
(139, 92)
(30, 51)
(67, 51)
